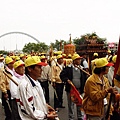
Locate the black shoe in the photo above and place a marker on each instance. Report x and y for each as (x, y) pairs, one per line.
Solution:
(61, 106)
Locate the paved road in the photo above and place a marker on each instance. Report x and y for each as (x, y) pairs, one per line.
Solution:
(63, 112)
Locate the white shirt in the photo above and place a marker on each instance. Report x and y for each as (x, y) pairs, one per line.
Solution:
(9, 70)
(31, 100)
(13, 86)
(110, 74)
(1, 65)
(85, 64)
(46, 73)
(110, 77)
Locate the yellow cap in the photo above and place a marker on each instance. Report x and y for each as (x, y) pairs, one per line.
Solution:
(43, 57)
(28, 55)
(17, 58)
(114, 58)
(58, 52)
(69, 55)
(18, 63)
(64, 55)
(1, 58)
(43, 53)
(95, 54)
(101, 62)
(109, 51)
(59, 56)
(22, 55)
(34, 60)
(76, 56)
(13, 57)
(55, 52)
(8, 60)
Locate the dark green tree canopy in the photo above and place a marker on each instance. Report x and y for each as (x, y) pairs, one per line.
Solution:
(59, 44)
(83, 39)
(4, 52)
(39, 47)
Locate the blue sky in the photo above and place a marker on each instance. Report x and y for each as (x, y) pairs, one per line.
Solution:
(48, 20)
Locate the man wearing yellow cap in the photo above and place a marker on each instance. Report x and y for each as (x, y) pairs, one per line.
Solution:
(18, 75)
(84, 62)
(110, 76)
(45, 78)
(30, 96)
(72, 73)
(57, 83)
(109, 55)
(53, 60)
(111, 70)
(95, 56)
(4, 86)
(9, 65)
(96, 91)
(22, 57)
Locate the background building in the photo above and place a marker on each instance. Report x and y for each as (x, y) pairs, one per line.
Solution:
(113, 46)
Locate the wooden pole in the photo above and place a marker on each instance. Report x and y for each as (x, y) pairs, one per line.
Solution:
(82, 70)
(10, 78)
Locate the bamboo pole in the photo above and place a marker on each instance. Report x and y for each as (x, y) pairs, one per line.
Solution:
(82, 70)
(10, 78)
(56, 63)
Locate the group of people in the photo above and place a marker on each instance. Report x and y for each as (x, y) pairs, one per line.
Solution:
(25, 86)
(22, 95)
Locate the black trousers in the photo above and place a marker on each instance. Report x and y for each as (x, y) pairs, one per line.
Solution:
(6, 106)
(58, 95)
(115, 116)
(45, 86)
(14, 107)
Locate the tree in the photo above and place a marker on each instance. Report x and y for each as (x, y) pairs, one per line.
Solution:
(3, 52)
(42, 47)
(85, 37)
(59, 44)
(39, 47)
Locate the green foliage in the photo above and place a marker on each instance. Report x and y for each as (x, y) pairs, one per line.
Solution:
(57, 44)
(101, 40)
(82, 40)
(39, 47)
(78, 41)
(42, 47)
(3, 52)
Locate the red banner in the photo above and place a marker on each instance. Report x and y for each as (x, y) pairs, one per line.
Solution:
(75, 95)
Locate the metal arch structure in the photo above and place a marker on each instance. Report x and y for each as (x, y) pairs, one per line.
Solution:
(20, 33)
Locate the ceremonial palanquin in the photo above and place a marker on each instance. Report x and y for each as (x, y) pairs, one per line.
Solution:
(91, 44)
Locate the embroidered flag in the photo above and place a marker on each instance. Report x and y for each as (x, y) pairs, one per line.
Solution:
(75, 95)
